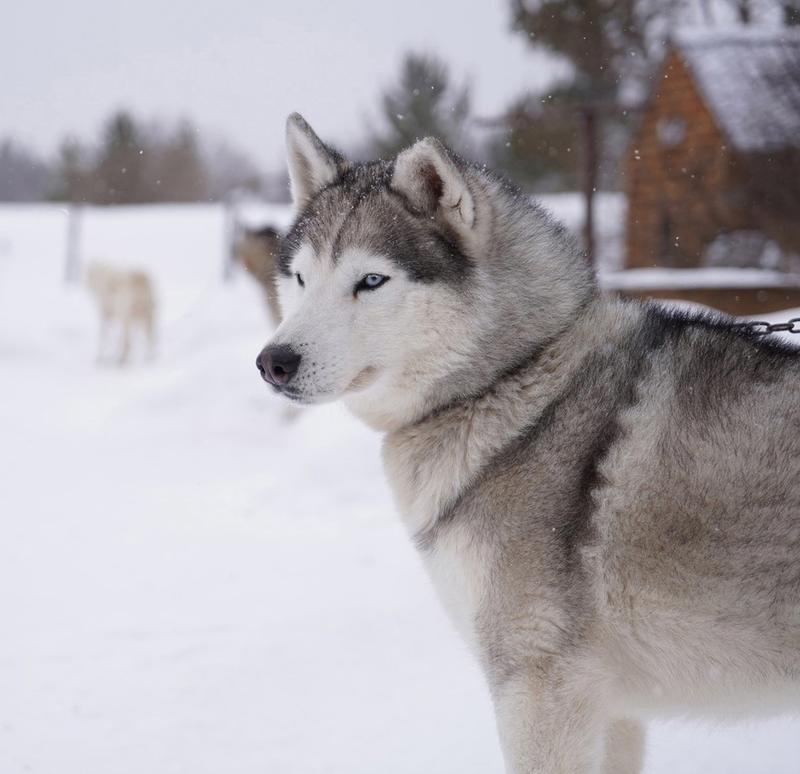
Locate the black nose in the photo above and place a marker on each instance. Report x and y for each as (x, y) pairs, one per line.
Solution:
(278, 363)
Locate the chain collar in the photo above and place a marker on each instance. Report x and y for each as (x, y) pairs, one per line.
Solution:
(761, 328)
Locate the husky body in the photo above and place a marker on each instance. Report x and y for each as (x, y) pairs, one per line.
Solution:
(605, 494)
(125, 301)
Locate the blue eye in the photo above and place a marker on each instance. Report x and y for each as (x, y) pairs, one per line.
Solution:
(300, 279)
(370, 282)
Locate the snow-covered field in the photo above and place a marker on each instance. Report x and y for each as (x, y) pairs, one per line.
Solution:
(192, 583)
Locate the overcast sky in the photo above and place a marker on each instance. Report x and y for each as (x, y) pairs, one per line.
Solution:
(238, 67)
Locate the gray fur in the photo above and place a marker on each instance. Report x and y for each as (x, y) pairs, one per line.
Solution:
(360, 208)
(606, 494)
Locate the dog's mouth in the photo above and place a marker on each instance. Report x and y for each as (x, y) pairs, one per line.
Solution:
(365, 378)
(292, 394)
(305, 398)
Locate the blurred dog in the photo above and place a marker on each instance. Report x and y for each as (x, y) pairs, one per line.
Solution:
(258, 252)
(125, 298)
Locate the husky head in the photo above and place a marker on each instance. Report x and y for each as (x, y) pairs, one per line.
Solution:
(407, 285)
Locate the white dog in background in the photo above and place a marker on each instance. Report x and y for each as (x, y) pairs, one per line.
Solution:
(125, 300)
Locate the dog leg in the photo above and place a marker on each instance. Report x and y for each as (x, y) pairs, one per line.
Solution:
(125, 342)
(102, 338)
(546, 726)
(624, 747)
(150, 333)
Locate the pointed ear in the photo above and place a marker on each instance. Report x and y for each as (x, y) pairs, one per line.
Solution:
(431, 179)
(312, 164)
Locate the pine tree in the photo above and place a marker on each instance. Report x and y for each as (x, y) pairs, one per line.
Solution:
(23, 175)
(177, 170)
(120, 175)
(540, 145)
(424, 102)
(609, 44)
(73, 173)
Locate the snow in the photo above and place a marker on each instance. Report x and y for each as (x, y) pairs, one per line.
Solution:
(748, 79)
(190, 581)
(609, 220)
(708, 277)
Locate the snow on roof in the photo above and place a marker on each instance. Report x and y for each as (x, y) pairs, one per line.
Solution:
(750, 79)
(674, 279)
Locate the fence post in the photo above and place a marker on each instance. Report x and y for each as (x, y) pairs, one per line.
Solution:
(72, 264)
(230, 237)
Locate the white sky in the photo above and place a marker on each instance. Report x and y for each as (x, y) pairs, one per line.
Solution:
(239, 67)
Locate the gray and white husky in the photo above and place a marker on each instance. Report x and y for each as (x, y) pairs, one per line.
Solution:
(605, 494)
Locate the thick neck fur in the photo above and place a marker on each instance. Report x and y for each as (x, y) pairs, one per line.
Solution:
(529, 283)
(431, 461)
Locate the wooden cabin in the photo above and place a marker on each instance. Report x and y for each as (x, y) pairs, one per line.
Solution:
(712, 176)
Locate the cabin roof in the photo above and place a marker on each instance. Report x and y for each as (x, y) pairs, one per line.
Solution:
(750, 80)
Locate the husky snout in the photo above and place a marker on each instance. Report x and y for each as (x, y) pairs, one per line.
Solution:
(278, 364)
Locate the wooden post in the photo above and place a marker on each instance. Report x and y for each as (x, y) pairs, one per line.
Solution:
(705, 7)
(230, 236)
(72, 262)
(589, 178)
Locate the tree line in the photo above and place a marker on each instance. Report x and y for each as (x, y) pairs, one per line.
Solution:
(130, 162)
(569, 135)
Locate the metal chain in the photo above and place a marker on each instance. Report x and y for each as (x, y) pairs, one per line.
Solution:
(761, 328)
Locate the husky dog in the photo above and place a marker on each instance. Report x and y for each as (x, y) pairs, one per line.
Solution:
(258, 252)
(605, 494)
(124, 297)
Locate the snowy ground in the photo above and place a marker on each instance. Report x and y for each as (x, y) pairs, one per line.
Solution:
(190, 583)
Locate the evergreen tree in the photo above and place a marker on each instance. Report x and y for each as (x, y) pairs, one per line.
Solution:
(177, 170)
(424, 102)
(73, 173)
(134, 162)
(539, 145)
(24, 177)
(610, 45)
(612, 48)
(229, 170)
(120, 175)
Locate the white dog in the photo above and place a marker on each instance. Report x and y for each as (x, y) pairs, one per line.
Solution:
(125, 298)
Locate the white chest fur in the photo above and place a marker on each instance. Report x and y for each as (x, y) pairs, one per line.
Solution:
(454, 558)
(431, 463)
(458, 567)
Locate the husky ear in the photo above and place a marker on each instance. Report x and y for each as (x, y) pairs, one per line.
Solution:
(431, 179)
(312, 164)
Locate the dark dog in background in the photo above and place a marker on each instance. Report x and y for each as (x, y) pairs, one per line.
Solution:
(257, 250)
